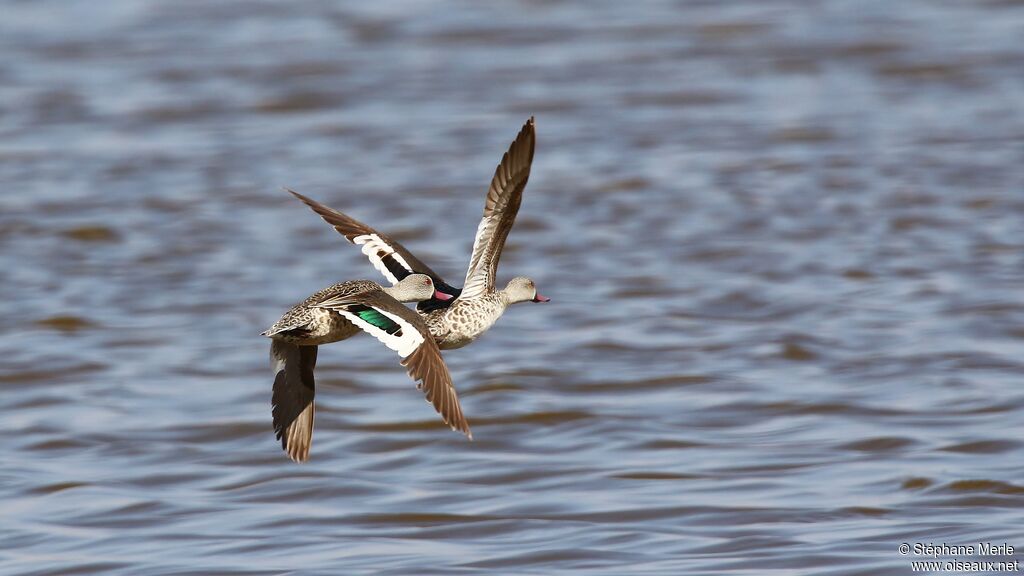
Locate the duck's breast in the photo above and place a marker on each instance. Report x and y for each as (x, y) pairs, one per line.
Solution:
(465, 321)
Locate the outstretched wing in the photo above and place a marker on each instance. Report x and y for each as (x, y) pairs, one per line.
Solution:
(503, 199)
(388, 256)
(292, 401)
(402, 330)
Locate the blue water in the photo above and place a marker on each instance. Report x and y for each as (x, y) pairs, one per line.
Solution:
(783, 242)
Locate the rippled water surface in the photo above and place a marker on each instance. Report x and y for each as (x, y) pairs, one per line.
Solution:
(784, 242)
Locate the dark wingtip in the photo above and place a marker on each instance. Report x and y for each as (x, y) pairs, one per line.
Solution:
(463, 427)
(296, 194)
(530, 129)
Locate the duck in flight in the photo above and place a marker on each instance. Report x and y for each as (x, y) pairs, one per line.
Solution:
(337, 313)
(470, 311)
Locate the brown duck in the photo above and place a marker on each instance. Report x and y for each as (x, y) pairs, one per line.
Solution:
(337, 313)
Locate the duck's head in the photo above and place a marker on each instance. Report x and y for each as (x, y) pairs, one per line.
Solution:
(523, 289)
(415, 288)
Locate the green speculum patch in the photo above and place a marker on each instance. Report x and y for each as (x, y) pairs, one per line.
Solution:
(379, 320)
